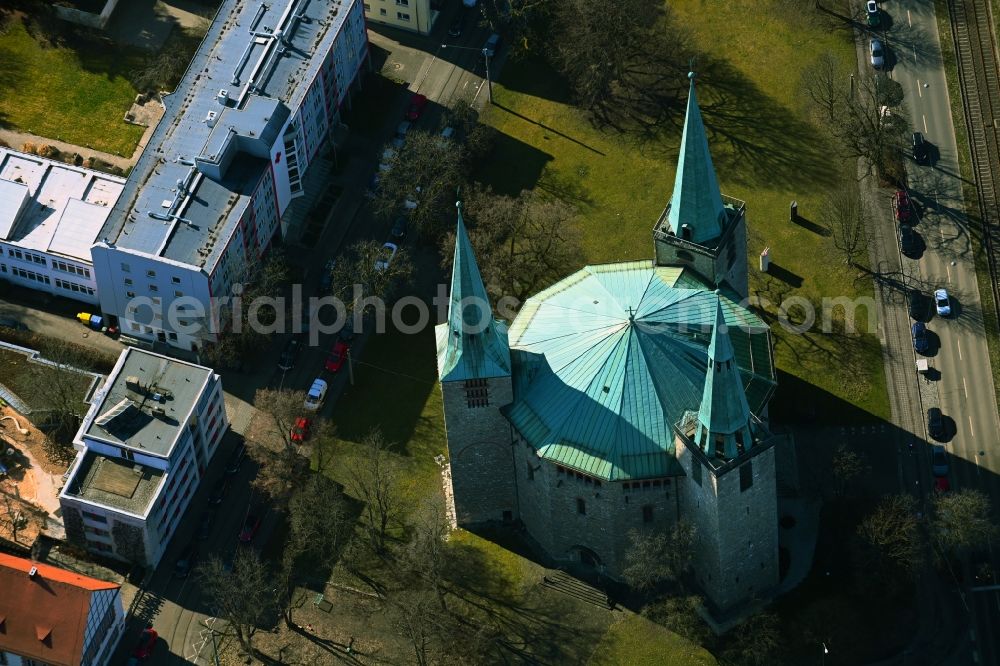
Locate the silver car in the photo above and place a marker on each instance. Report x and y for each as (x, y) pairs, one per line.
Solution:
(942, 302)
(876, 53)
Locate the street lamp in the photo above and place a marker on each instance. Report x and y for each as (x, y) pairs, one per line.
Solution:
(486, 54)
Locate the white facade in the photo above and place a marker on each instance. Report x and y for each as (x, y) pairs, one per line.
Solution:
(413, 15)
(168, 455)
(50, 215)
(222, 168)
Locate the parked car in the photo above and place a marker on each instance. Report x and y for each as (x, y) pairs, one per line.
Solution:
(219, 491)
(416, 108)
(10, 322)
(387, 255)
(907, 241)
(326, 277)
(902, 207)
(939, 460)
(917, 306)
(469, 3)
(942, 302)
(250, 526)
(335, 361)
(492, 45)
(301, 429)
(385, 163)
(873, 16)
(921, 151)
(316, 395)
(188, 558)
(205, 524)
(919, 333)
(935, 423)
(290, 354)
(400, 138)
(236, 458)
(876, 53)
(456, 27)
(398, 232)
(941, 484)
(147, 640)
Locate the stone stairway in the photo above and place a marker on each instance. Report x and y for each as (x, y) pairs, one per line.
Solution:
(561, 581)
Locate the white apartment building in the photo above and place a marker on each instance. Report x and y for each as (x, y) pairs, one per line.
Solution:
(143, 448)
(56, 617)
(414, 15)
(207, 198)
(50, 215)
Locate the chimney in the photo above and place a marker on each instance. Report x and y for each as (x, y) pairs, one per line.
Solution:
(33, 572)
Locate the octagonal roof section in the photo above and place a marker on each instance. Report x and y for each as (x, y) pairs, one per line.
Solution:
(607, 360)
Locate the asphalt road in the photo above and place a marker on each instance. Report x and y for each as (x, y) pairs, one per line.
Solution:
(959, 351)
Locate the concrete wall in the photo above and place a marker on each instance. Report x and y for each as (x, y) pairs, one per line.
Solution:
(479, 448)
(87, 19)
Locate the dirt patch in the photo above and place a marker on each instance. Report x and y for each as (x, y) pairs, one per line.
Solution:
(32, 443)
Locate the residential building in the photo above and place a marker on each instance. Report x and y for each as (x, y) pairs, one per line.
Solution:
(142, 450)
(50, 215)
(414, 15)
(55, 617)
(627, 396)
(208, 196)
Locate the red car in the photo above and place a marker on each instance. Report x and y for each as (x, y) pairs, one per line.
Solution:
(416, 107)
(901, 206)
(147, 639)
(338, 354)
(250, 527)
(941, 484)
(300, 431)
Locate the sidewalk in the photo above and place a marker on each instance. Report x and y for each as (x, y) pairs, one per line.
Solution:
(17, 139)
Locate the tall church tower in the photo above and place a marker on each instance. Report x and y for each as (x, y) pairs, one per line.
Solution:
(729, 493)
(475, 374)
(699, 228)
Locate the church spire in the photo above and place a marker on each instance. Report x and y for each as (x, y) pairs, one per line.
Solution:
(696, 211)
(724, 416)
(471, 344)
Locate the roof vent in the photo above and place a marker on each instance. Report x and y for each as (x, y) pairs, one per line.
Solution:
(223, 97)
(686, 231)
(33, 572)
(210, 118)
(159, 412)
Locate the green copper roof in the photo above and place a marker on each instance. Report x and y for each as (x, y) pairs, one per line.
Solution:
(724, 407)
(608, 359)
(696, 200)
(471, 344)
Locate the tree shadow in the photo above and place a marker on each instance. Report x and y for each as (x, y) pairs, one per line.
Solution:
(531, 164)
(914, 44)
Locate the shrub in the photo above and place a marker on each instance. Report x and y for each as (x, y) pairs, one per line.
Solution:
(28, 147)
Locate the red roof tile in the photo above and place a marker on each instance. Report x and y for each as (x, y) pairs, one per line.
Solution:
(44, 616)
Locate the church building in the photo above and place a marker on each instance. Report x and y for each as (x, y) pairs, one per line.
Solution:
(627, 396)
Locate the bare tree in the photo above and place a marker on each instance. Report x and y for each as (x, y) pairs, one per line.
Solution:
(848, 217)
(654, 558)
(362, 273)
(847, 466)
(427, 554)
(755, 642)
(243, 596)
(962, 521)
(373, 475)
(891, 537)
(680, 615)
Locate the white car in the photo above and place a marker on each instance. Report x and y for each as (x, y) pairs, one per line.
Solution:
(942, 302)
(876, 54)
(316, 395)
(389, 251)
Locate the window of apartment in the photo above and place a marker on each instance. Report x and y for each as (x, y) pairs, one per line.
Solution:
(150, 273)
(403, 3)
(647, 513)
(746, 475)
(153, 288)
(129, 294)
(178, 294)
(99, 545)
(581, 507)
(175, 279)
(127, 455)
(172, 336)
(126, 268)
(3, 268)
(696, 470)
(95, 517)
(368, 7)
(402, 16)
(128, 282)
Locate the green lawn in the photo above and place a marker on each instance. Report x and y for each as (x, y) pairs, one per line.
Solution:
(61, 93)
(635, 641)
(773, 155)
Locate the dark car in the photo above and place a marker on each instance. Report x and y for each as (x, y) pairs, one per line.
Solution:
(219, 491)
(456, 27)
(901, 207)
(147, 639)
(935, 423)
(205, 524)
(398, 232)
(250, 526)
(919, 332)
(908, 241)
(492, 45)
(939, 460)
(873, 15)
(290, 355)
(917, 305)
(921, 151)
(10, 322)
(236, 459)
(188, 558)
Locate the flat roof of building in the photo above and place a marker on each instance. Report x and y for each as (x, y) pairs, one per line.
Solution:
(146, 402)
(259, 54)
(53, 207)
(115, 482)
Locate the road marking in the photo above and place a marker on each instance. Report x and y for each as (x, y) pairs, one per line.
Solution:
(925, 123)
(959, 350)
(920, 93)
(966, 387)
(909, 19)
(948, 270)
(971, 430)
